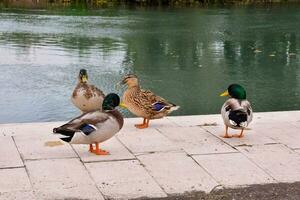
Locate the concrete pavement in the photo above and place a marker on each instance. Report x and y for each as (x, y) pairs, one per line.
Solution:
(174, 156)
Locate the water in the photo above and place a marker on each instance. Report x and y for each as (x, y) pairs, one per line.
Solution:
(188, 56)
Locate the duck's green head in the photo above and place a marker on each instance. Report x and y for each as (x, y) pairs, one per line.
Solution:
(83, 76)
(111, 101)
(235, 91)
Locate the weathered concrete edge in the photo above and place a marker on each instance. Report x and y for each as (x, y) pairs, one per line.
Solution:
(172, 116)
(256, 192)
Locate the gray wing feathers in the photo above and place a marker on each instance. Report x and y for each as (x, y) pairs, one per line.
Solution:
(247, 107)
(87, 118)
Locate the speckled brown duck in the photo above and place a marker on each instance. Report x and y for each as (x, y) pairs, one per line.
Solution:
(86, 97)
(144, 103)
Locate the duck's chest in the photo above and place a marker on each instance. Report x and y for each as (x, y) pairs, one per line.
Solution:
(86, 100)
(105, 131)
(133, 103)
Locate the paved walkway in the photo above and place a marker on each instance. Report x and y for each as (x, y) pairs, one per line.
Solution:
(173, 156)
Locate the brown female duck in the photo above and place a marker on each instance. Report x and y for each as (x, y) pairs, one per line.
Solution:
(144, 103)
(86, 97)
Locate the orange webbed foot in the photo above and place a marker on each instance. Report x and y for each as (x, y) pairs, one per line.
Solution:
(145, 124)
(141, 126)
(100, 152)
(226, 133)
(227, 136)
(237, 135)
(97, 150)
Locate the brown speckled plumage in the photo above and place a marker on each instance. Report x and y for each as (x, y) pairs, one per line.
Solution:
(87, 97)
(140, 102)
(89, 91)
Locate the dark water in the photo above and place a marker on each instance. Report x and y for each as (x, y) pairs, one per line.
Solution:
(187, 56)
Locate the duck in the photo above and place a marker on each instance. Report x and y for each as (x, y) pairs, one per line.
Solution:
(236, 112)
(144, 103)
(86, 97)
(94, 127)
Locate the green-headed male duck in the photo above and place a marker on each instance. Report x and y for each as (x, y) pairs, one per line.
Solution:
(236, 111)
(94, 127)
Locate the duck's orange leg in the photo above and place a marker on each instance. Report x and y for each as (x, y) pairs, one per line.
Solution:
(91, 148)
(226, 132)
(240, 135)
(145, 124)
(97, 150)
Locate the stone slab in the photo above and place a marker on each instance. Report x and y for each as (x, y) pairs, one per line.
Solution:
(35, 147)
(277, 160)
(276, 117)
(145, 140)
(9, 154)
(251, 136)
(157, 123)
(61, 179)
(196, 120)
(40, 128)
(296, 123)
(116, 149)
(288, 135)
(124, 180)
(17, 195)
(195, 140)
(13, 180)
(233, 169)
(177, 173)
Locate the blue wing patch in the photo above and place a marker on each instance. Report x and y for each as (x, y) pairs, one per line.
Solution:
(87, 129)
(158, 106)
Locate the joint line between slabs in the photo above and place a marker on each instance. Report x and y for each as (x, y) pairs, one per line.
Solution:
(219, 184)
(252, 161)
(148, 172)
(125, 146)
(90, 175)
(232, 146)
(114, 160)
(17, 167)
(26, 170)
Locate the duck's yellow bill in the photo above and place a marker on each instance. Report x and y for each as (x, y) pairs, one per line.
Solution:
(224, 94)
(122, 105)
(84, 79)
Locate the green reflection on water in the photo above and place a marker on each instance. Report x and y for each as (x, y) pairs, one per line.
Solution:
(188, 56)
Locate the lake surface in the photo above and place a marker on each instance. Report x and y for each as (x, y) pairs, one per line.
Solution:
(188, 56)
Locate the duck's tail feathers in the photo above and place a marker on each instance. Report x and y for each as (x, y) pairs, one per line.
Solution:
(238, 118)
(174, 107)
(65, 132)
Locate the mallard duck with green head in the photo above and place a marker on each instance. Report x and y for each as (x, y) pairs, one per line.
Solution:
(94, 127)
(236, 111)
(86, 97)
(144, 103)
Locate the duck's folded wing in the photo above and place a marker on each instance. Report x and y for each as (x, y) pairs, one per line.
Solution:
(247, 106)
(154, 102)
(81, 122)
(151, 97)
